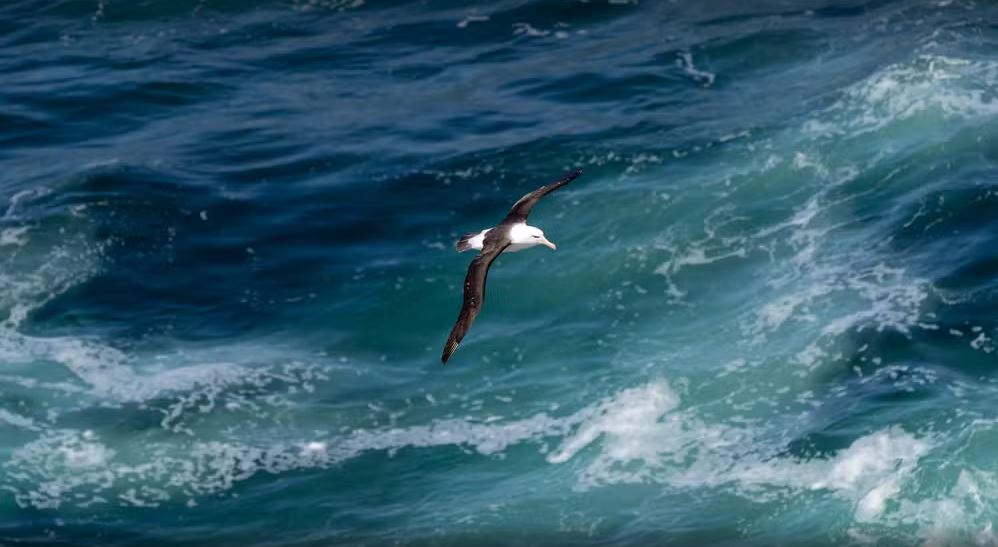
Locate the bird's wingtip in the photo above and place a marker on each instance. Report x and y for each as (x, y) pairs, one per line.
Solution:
(449, 350)
(572, 175)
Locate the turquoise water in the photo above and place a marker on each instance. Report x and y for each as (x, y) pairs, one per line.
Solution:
(227, 272)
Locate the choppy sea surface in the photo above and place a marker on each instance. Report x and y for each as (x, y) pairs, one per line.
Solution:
(227, 272)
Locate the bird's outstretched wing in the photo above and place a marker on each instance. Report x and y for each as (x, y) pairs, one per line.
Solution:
(474, 293)
(521, 209)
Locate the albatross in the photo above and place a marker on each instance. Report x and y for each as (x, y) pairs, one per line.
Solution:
(512, 234)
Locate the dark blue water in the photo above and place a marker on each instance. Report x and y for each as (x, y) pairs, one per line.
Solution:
(227, 272)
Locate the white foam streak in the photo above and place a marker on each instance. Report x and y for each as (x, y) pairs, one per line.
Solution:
(873, 467)
(19, 198)
(640, 434)
(67, 466)
(72, 466)
(17, 420)
(16, 237)
(685, 61)
(643, 437)
(950, 87)
(463, 23)
(628, 421)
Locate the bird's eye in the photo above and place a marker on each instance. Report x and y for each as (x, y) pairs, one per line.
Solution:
(537, 237)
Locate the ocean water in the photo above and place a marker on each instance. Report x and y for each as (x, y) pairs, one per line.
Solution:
(227, 272)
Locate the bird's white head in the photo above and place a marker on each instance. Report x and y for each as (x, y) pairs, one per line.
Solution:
(528, 236)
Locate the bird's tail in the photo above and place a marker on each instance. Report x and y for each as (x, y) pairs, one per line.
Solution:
(464, 244)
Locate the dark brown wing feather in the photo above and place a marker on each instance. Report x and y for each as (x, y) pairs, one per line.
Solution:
(474, 293)
(521, 209)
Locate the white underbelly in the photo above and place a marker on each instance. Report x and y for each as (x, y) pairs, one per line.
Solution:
(516, 247)
(478, 241)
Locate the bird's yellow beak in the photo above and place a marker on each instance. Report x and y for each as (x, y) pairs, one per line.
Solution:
(546, 243)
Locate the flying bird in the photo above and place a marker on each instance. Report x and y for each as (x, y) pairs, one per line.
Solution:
(512, 234)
